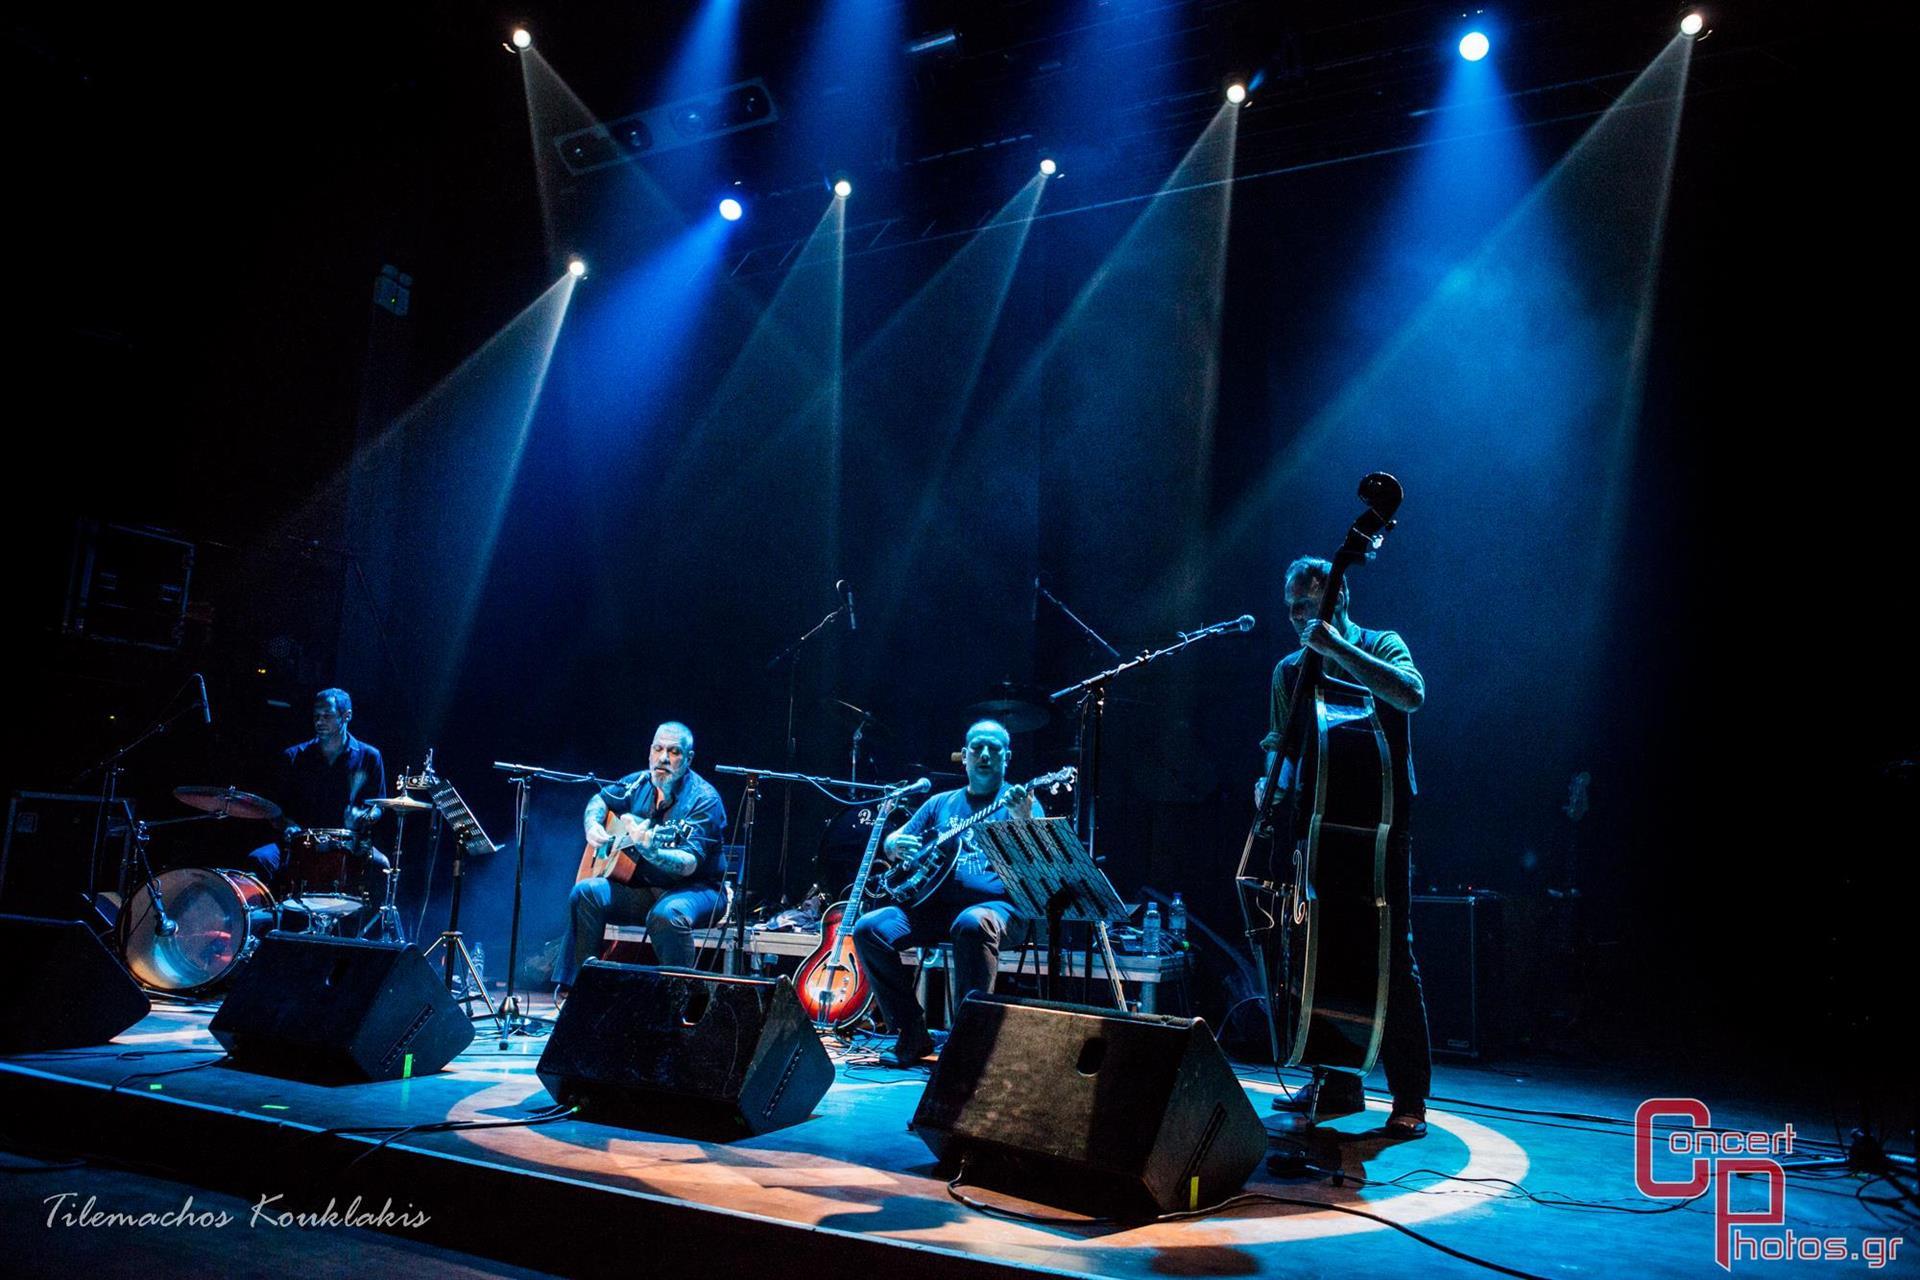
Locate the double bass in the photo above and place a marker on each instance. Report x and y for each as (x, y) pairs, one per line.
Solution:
(1318, 916)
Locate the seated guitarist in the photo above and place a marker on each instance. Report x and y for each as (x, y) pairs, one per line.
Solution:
(624, 879)
(970, 907)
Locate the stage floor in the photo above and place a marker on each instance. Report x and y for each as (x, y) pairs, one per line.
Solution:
(1532, 1170)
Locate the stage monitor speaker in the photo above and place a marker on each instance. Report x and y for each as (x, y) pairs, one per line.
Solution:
(338, 1010)
(1123, 1115)
(693, 1054)
(64, 990)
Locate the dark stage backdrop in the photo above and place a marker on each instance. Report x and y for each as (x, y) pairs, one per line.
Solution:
(1733, 680)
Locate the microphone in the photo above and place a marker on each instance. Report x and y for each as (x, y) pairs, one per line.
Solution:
(206, 708)
(1244, 622)
(846, 593)
(917, 788)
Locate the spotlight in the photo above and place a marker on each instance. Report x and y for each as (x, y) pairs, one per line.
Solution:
(522, 38)
(576, 267)
(1236, 93)
(1693, 24)
(1474, 46)
(843, 188)
(730, 209)
(1048, 167)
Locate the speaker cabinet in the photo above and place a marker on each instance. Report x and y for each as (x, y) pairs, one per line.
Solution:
(64, 990)
(693, 1054)
(1458, 941)
(339, 1010)
(48, 862)
(1124, 1115)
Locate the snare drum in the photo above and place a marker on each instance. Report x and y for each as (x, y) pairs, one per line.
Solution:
(218, 917)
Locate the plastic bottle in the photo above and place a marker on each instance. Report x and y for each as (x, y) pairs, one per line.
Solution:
(1150, 930)
(1177, 922)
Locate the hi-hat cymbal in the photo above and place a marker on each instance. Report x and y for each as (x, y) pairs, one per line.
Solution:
(228, 802)
(401, 804)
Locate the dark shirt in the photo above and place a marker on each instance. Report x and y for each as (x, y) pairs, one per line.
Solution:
(1389, 648)
(972, 874)
(695, 801)
(313, 793)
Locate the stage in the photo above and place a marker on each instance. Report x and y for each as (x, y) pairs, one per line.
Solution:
(849, 1189)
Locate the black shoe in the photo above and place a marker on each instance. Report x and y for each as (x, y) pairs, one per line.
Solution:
(912, 1048)
(1324, 1099)
(1409, 1120)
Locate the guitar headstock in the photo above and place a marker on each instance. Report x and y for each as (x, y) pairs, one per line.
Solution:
(672, 835)
(1056, 782)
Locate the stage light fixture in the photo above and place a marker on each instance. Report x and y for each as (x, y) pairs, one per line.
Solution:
(1236, 93)
(1693, 24)
(1048, 167)
(576, 267)
(522, 38)
(731, 209)
(842, 188)
(1474, 45)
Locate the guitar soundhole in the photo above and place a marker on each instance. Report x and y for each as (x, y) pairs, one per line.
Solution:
(1092, 1053)
(698, 997)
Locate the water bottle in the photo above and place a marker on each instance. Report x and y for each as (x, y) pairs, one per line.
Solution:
(1177, 923)
(1150, 931)
(479, 972)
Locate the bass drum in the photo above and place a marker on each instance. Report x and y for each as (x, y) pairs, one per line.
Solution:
(218, 917)
(844, 841)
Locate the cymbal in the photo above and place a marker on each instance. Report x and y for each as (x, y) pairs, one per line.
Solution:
(1019, 716)
(228, 802)
(401, 804)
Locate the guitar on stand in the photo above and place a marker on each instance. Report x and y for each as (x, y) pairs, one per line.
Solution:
(833, 988)
(917, 875)
(1321, 903)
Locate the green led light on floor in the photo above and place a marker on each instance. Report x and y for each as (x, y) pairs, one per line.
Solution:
(273, 1106)
(155, 1088)
(406, 1067)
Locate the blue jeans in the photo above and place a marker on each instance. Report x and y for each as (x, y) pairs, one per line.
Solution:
(975, 930)
(671, 916)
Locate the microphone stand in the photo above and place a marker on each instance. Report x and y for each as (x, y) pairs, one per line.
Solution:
(512, 1020)
(791, 656)
(748, 808)
(1093, 704)
(110, 771)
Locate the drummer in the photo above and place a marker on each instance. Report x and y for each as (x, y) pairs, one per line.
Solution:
(326, 782)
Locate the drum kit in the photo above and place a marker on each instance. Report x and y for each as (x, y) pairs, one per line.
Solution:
(189, 930)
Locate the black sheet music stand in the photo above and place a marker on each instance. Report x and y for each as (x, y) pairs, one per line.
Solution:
(1050, 876)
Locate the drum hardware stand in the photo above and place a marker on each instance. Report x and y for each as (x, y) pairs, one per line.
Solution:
(386, 926)
(791, 656)
(513, 1017)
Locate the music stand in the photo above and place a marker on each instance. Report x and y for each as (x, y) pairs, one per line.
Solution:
(1050, 876)
(469, 839)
